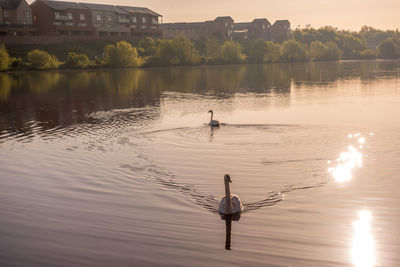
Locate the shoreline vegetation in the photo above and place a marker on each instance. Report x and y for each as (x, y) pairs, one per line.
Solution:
(305, 45)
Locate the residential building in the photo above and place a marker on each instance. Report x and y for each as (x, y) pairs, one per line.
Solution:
(221, 28)
(280, 30)
(61, 18)
(143, 22)
(257, 29)
(15, 18)
(109, 20)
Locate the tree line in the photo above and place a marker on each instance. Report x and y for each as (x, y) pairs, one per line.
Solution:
(324, 44)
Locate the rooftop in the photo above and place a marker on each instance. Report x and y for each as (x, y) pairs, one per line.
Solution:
(100, 7)
(10, 4)
(141, 10)
(60, 5)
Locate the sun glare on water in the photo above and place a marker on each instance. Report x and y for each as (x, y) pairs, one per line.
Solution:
(348, 160)
(363, 248)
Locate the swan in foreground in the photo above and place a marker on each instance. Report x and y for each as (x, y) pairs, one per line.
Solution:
(213, 122)
(230, 203)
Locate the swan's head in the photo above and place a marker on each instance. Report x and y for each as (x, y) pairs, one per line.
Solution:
(210, 111)
(227, 178)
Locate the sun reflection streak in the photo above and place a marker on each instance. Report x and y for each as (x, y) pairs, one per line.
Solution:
(348, 160)
(363, 249)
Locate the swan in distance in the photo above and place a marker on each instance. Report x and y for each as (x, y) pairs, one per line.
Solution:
(230, 203)
(213, 122)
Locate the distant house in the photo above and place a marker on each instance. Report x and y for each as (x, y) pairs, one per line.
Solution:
(143, 21)
(61, 18)
(109, 20)
(280, 30)
(257, 29)
(220, 28)
(85, 19)
(15, 18)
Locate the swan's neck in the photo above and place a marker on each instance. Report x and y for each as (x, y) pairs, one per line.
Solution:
(228, 198)
(212, 113)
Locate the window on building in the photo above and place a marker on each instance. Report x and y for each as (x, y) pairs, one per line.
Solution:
(98, 17)
(155, 20)
(82, 16)
(5, 13)
(144, 20)
(69, 15)
(134, 19)
(109, 18)
(27, 14)
(57, 14)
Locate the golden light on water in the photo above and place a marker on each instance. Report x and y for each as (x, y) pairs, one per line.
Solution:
(348, 160)
(363, 248)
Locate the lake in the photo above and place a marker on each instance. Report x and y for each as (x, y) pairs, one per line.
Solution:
(119, 167)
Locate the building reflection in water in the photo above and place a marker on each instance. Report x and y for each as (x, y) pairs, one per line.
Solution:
(363, 249)
(348, 160)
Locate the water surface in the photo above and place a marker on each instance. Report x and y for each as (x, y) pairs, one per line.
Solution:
(119, 167)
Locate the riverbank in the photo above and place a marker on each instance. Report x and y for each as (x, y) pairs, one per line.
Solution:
(325, 44)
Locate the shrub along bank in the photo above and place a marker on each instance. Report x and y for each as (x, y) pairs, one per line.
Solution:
(324, 44)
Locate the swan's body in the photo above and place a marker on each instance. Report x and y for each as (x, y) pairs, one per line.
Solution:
(230, 203)
(213, 122)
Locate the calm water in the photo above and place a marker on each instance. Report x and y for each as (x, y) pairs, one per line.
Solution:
(119, 168)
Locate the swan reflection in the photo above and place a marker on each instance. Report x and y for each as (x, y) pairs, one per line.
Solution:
(363, 252)
(348, 160)
(228, 226)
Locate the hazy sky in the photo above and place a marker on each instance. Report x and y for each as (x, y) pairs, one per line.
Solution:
(344, 14)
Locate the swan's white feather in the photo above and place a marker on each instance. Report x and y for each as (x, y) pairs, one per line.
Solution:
(236, 205)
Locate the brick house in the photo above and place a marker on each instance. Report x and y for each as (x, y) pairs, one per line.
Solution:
(61, 18)
(257, 29)
(280, 30)
(143, 21)
(109, 20)
(221, 28)
(15, 18)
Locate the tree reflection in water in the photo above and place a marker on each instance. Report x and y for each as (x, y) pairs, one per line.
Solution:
(60, 99)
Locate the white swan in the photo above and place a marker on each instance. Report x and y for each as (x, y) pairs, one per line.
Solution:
(213, 122)
(230, 203)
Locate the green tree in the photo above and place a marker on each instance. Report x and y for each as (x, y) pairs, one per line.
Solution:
(148, 46)
(230, 53)
(333, 52)
(77, 60)
(367, 54)
(388, 49)
(257, 51)
(177, 51)
(351, 45)
(320, 51)
(5, 60)
(121, 55)
(293, 51)
(39, 59)
(273, 52)
(212, 47)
